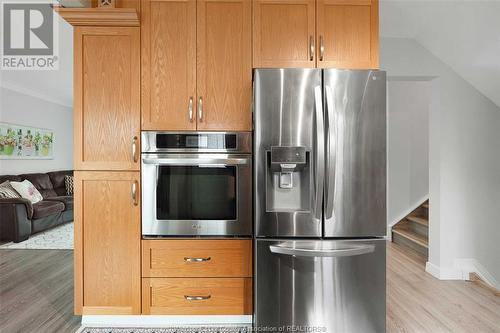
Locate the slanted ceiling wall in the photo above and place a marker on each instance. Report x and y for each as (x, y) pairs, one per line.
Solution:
(464, 162)
(21, 109)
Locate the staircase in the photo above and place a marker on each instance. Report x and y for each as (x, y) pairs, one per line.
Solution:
(413, 230)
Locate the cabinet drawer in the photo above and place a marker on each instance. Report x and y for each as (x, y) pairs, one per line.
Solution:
(197, 296)
(197, 258)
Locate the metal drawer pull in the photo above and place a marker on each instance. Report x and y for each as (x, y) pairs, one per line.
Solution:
(197, 298)
(190, 109)
(187, 259)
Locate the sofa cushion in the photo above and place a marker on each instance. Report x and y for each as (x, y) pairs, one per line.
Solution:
(57, 178)
(65, 199)
(11, 178)
(45, 208)
(27, 191)
(42, 183)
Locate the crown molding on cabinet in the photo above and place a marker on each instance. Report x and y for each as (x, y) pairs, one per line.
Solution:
(108, 17)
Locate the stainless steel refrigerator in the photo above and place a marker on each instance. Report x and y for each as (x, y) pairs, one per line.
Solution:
(320, 200)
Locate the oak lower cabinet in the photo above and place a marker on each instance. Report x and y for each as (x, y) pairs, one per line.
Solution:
(196, 65)
(197, 277)
(107, 98)
(107, 242)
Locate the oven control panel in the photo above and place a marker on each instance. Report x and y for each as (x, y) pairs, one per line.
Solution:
(153, 142)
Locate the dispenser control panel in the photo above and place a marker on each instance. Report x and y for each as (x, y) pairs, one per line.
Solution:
(288, 155)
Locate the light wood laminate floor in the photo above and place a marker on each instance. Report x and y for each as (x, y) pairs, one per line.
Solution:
(36, 295)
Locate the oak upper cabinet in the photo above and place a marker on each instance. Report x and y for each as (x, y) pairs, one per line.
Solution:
(224, 53)
(315, 33)
(196, 65)
(168, 64)
(284, 33)
(107, 98)
(347, 33)
(107, 242)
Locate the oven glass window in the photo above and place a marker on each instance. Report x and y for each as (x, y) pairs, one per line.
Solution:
(196, 193)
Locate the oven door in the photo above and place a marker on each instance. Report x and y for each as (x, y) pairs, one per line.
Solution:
(196, 194)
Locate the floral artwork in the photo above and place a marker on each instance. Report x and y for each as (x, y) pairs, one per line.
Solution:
(22, 142)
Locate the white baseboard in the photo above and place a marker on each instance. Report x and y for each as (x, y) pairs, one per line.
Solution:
(460, 271)
(468, 266)
(163, 321)
(443, 273)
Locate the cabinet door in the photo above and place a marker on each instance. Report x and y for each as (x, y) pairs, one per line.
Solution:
(224, 46)
(347, 34)
(107, 98)
(168, 64)
(107, 243)
(283, 33)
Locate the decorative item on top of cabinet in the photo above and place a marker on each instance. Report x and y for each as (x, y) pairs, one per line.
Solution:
(106, 3)
(107, 242)
(196, 65)
(107, 98)
(347, 34)
(284, 33)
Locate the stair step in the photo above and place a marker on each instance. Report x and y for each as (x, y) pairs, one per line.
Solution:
(411, 236)
(425, 205)
(419, 220)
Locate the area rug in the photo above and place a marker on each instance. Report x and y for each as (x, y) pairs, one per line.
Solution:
(58, 238)
(186, 329)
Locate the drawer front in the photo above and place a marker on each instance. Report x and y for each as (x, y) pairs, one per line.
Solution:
(197, 296)
(197, 258)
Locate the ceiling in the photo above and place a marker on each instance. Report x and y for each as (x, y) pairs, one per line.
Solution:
(463, 34)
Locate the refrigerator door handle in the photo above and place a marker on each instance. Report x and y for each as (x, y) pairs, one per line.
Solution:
(320, 152)
(354, 250)
(331, 155)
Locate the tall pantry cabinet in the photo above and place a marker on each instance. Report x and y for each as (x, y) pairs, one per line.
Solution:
(107, 177)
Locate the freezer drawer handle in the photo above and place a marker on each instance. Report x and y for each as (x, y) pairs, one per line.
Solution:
(187, 259)
(197, 298)
(347, 252)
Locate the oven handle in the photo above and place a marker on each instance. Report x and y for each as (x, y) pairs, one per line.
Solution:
(215, 162)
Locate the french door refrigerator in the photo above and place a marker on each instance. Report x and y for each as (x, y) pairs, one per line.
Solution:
(320, 200)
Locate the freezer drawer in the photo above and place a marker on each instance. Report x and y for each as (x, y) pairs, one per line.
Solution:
(320, 286)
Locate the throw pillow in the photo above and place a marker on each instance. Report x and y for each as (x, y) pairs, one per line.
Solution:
(27, 190)
(68, 183)
(7, 191)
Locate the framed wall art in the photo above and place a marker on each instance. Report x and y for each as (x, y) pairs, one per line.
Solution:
(25, 142)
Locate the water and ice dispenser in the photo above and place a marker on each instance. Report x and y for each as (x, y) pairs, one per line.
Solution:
(288, 179)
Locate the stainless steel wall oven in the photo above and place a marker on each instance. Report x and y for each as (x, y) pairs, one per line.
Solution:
(196, 184)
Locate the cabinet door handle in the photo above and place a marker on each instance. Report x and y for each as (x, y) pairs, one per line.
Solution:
(134, 149)
(200, 109)
(311, 48)
(197, 298)
(134, 193)
(187, 259)
(190, 109)
(321, 47)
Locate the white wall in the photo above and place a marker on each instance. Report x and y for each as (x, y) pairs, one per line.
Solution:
(407, 147)
(464, 162)
(21, 109)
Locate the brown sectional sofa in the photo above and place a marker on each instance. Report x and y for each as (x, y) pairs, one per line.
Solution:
(19, 218)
